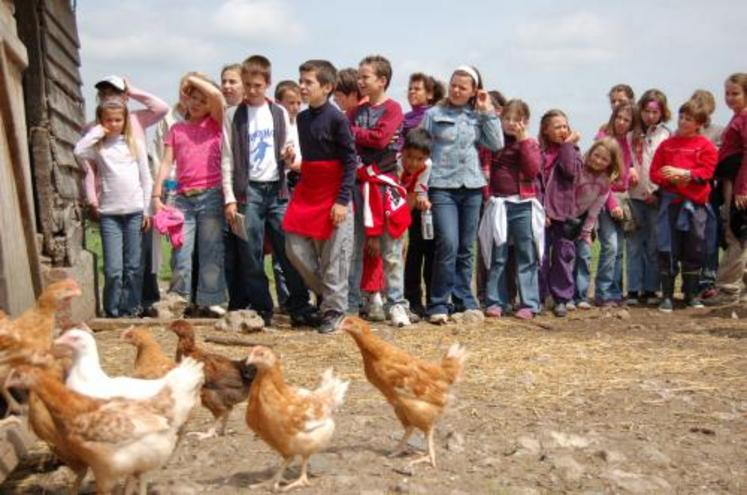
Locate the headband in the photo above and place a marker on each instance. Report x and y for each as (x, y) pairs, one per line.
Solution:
(469, 70)
(653, 105)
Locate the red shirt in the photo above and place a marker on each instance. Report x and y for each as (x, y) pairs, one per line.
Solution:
(696, 154)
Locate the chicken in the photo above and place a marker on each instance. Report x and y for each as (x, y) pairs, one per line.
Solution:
(87, 377)
(227, 381)
(417, 390)
(30, 335)
(151, 362)
(293, 421)
(117, 437)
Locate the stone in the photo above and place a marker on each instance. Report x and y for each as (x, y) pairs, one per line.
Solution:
(623, 314)
(174, 488)
(637, 483)
(455, 442)
(568, 467)
(84, 272)
(171, 306)
(468, 317)
(241, 321)
(569, 440)
(528, 446)
(611, 456)
(655, 456)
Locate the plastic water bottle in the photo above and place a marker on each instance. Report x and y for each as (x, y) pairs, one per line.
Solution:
(426, 224)
(169, 185)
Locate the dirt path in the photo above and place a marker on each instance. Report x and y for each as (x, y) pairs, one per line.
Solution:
(601, 402)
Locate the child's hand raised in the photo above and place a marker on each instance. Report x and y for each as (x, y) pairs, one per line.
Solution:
(521, 131)
(573, 137)
(483, 102)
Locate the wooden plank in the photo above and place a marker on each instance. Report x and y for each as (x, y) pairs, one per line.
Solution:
(33, 77)
(41, 157)
(63, 16)
(105, 324)
(52, 27)
(67, 77)
(55, 51)
(63, 131)
(63, 156)
(67, 183)
(67, 108)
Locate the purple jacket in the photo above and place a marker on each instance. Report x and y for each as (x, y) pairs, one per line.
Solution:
(560, 185)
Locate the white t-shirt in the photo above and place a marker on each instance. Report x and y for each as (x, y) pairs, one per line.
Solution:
(121, 178)
(262, 164)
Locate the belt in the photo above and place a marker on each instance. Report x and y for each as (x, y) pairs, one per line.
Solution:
(194, 192)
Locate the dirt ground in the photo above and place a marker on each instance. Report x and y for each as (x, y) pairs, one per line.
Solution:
(599, 402)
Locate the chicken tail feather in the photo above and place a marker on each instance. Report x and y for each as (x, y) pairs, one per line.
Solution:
(333, 388)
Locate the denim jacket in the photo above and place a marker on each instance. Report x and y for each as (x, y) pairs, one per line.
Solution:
(456, 132)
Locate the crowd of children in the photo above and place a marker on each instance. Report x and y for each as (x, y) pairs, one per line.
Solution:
(369, 210)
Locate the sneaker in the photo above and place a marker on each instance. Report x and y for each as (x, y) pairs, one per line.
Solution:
(583, 305)
(494, 312)
(218, 310)
(439, 318)
(524, 314)
(632, 300)
(331, 322)
(560, 310)
(398, 316)
(651, 298)
(695, 303)
(266, 317)
(570, 306)
(309, 317)
(375, 312)
(722, 299)
(666, 305)
(413, 316)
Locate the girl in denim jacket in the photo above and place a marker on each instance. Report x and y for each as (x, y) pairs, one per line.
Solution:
(457, 125)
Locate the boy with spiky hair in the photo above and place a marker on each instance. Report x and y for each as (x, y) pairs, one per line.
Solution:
(319, 223)
(256, 150)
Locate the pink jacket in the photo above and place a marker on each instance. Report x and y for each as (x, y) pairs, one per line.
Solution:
(170, 221)
(155, 109)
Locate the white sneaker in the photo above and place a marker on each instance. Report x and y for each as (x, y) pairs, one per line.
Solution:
(398, 316)
(218, 309)
(439, 318)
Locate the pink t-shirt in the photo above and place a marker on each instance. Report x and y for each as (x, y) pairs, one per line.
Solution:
(196, 153)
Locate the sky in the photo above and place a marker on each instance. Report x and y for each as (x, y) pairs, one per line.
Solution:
(551, 54)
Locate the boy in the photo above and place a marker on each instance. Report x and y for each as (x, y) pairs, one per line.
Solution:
(256, 148)
(319, 224)
(347, 94)
(375, 125)
(416, 169)
(683, 166)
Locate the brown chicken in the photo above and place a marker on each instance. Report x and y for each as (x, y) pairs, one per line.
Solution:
(151, 362)
(418, 391)
(30, 335)
(116, 438)
(294, 422)
(227, 381)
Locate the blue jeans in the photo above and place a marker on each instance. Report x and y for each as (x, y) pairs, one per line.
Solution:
(582, 270)
(264, 211)
(609, 273)
(121, 237)
(456, 213)
(203, 224)
(519, 219)
(643, 262)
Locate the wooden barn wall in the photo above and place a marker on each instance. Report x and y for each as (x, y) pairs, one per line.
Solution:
(20, 278)
(55, 115)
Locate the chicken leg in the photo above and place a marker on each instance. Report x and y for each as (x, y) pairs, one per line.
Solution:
(430, 456)
(277, 477)
(302, 480)
(401, 447)
(217, 430)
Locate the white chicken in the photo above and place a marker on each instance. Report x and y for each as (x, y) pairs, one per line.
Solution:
(88, 378)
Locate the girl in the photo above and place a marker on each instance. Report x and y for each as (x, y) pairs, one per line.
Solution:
(457, 125)
(422, 92)
(608, 282)
(126, 184)
(231, 84)
(195, 146)
(732, 173)
(513, 215)
(642, 265)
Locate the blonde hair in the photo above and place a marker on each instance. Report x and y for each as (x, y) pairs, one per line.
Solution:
(117, 103)
(740, 79)
(615, 170)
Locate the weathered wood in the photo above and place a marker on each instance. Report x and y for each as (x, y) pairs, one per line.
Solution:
(67, 183)
(63, 131)
(42, 159)
(64, 17)
(54, 29)
(66, 108)
(104, 324)
(66, 77)
(53, 49)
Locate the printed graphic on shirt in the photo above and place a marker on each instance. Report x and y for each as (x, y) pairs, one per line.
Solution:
(262, 164)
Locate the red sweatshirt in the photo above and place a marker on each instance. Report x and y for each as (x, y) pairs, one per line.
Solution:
(696, 154)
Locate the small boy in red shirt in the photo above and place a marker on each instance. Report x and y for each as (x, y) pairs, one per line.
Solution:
(683, 167)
